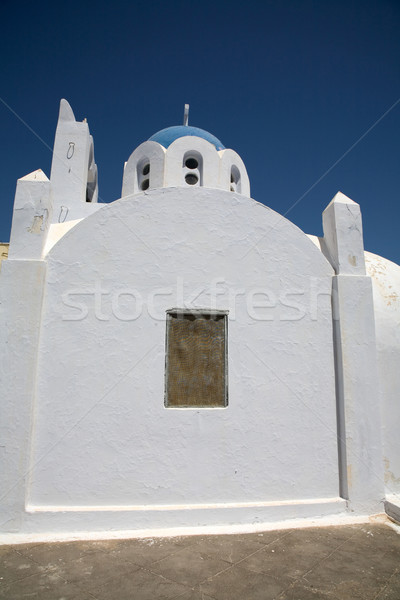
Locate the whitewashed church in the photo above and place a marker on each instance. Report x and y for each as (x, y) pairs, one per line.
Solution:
(185, 357)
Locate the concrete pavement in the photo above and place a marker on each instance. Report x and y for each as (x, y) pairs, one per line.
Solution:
(342, 562)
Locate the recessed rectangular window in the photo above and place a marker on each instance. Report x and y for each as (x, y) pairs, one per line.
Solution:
(196, 359)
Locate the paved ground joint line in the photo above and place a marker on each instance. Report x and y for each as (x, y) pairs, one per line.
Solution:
(47, 569)
(327, 556)
(385, 585)
(303, 577)
(27, 576)
(243, 559)
(195, 588)
(148, 570)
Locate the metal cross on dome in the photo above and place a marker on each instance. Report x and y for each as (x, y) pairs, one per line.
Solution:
(186, 115)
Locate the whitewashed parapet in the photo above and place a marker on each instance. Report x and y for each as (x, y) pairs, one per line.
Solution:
(32, 215)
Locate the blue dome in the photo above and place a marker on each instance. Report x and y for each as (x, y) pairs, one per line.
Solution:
(165, 137)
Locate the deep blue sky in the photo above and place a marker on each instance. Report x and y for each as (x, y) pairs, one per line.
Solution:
(290, 85)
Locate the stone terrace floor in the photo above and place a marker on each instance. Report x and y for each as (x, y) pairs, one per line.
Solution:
(347, 562)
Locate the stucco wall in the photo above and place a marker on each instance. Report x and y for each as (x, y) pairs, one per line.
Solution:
(102, 435)
(386, 288)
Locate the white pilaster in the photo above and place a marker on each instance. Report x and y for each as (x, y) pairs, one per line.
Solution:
(358, 394)
(21, 295)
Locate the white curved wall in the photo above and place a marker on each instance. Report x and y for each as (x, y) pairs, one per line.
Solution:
(386, 288)
(100, 387)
